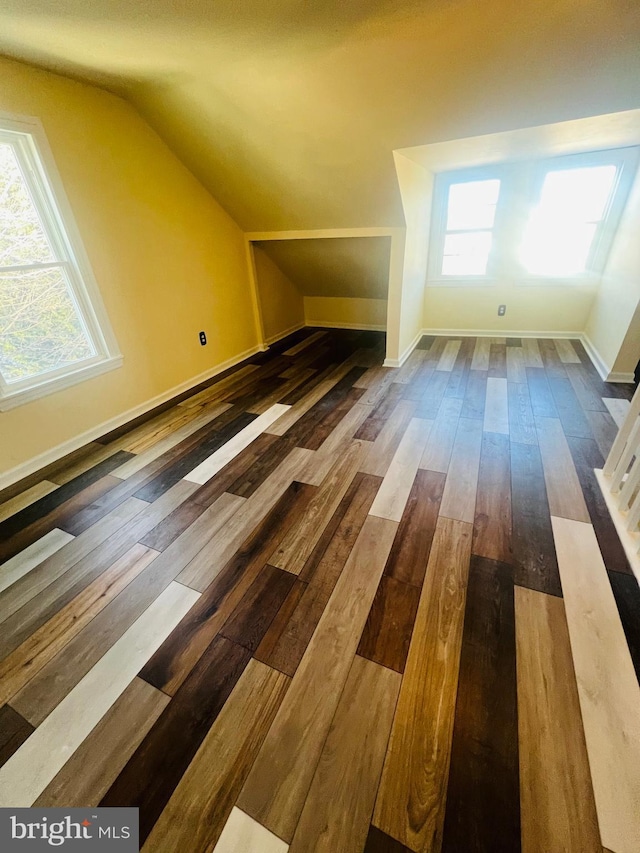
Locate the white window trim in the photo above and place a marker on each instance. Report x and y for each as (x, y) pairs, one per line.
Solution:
(527, 178)
(54, 208)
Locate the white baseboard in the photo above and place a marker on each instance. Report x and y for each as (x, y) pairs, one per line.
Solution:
(284, 334)
(493, 333)
(358, 327)
(7, 478)
(621, 377)
(398, 362)
(606, 374)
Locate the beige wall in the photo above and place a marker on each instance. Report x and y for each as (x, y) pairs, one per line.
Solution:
(342, 311)
(613, 327)
(168, 260)
(281, 304)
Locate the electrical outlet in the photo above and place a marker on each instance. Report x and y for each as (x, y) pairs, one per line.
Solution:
(502, 310)
(203, 338)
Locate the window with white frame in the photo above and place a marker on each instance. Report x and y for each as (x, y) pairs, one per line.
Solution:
(548, 220)
(53, 327)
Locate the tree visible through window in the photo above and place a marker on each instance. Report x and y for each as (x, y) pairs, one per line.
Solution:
(47, 324)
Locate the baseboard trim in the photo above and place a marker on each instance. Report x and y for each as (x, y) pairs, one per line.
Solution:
(493, 333)
(275, 338)
(598, 362)
(358, 327)
(398, 362)
(42, 460)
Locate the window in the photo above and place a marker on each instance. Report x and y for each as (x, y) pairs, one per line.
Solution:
(53, 328)
(550, 220)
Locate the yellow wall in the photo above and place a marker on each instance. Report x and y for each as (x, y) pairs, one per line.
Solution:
(168, 260)
(341, 311)
(613, 327)
(280, 303)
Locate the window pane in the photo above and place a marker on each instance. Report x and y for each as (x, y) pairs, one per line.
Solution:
(466, 254)
(472, 205)
(558, 249)
(22, 238)
(40, 328)
(578, 194)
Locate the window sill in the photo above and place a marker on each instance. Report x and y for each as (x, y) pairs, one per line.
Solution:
(19, 397)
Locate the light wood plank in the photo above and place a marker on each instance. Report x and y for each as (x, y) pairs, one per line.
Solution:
(480, 360)
(88, 774)
(223, 455)
(29, 770)
(566, 351)
(459, 496)
(556, 796)
(515, 365)
(218, 389)
(382, 450)
(97, 455)
(335, 445)
(308, 401)
(496, 409)
(394, 492)
(281, 391)
(531, 353)
(277, 786)
(619, 409)
(437, 452)
(195, 816)
(292, 553)
(243, 834)
(563, 486)
(411, 800)
(20, 565)
(338, 807)
(607, 684)
(42, 645)
(449, 355)
(298, 348)
(26, 498)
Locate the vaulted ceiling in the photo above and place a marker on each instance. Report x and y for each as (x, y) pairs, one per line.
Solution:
(288, 111)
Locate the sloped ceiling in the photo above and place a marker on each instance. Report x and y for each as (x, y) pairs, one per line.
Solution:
(289, 110)
(346, 266)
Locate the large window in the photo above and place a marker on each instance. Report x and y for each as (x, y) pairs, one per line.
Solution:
(53, 328)
(529, 221)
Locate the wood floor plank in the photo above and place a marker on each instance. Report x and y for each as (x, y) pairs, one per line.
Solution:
(449, 355)
(481, 354)
(459, 495)
(386, 443)
(276, 788)
(398, 481)
(43, 644)
(627, 595)
(607, 685)
(387, 631)
(567, 353)
(522, 426)
(91, 770)
(338, 807)
(36, 553)
(572, 415)
(202, 802)
(299, 542)
(156, 767)
(482, 804)
(44, 692)
(496, 411)
(556, 795)
(380, 842)
(531, 353)
(563, 486)
(492, 521)
(306, 342)
(26, 498)
(411, 798)
(242, 833)
(475, 395)
(498, 360)
(14, 730)
(604, 430)
(588, 391)
(410, 551)
(437, 452)
(542, 402)
(224, 454)
(515, 365)
(533, 549)
(618, 409)
(28, 772)
(431, 400)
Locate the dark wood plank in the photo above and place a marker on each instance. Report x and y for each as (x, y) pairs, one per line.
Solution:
(627, 595)
(588, 389)
(155, 768)
(572, 417)
(387, 632)
(542, 402)
(492, 522)
(274, 452)
(522, 426)
(182, 649)
(498, 361)
(514, 342)
(371, 427)
(534, 553)
(409, 555)
(586, 456)
(252, 617)
(380, 842)
(476, 393)
(483, 807)
(14, 730)
(433, 394)
(426, 342)
(553, 364)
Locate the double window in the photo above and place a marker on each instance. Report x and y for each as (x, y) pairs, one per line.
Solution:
(554, 219)
(53, 328)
